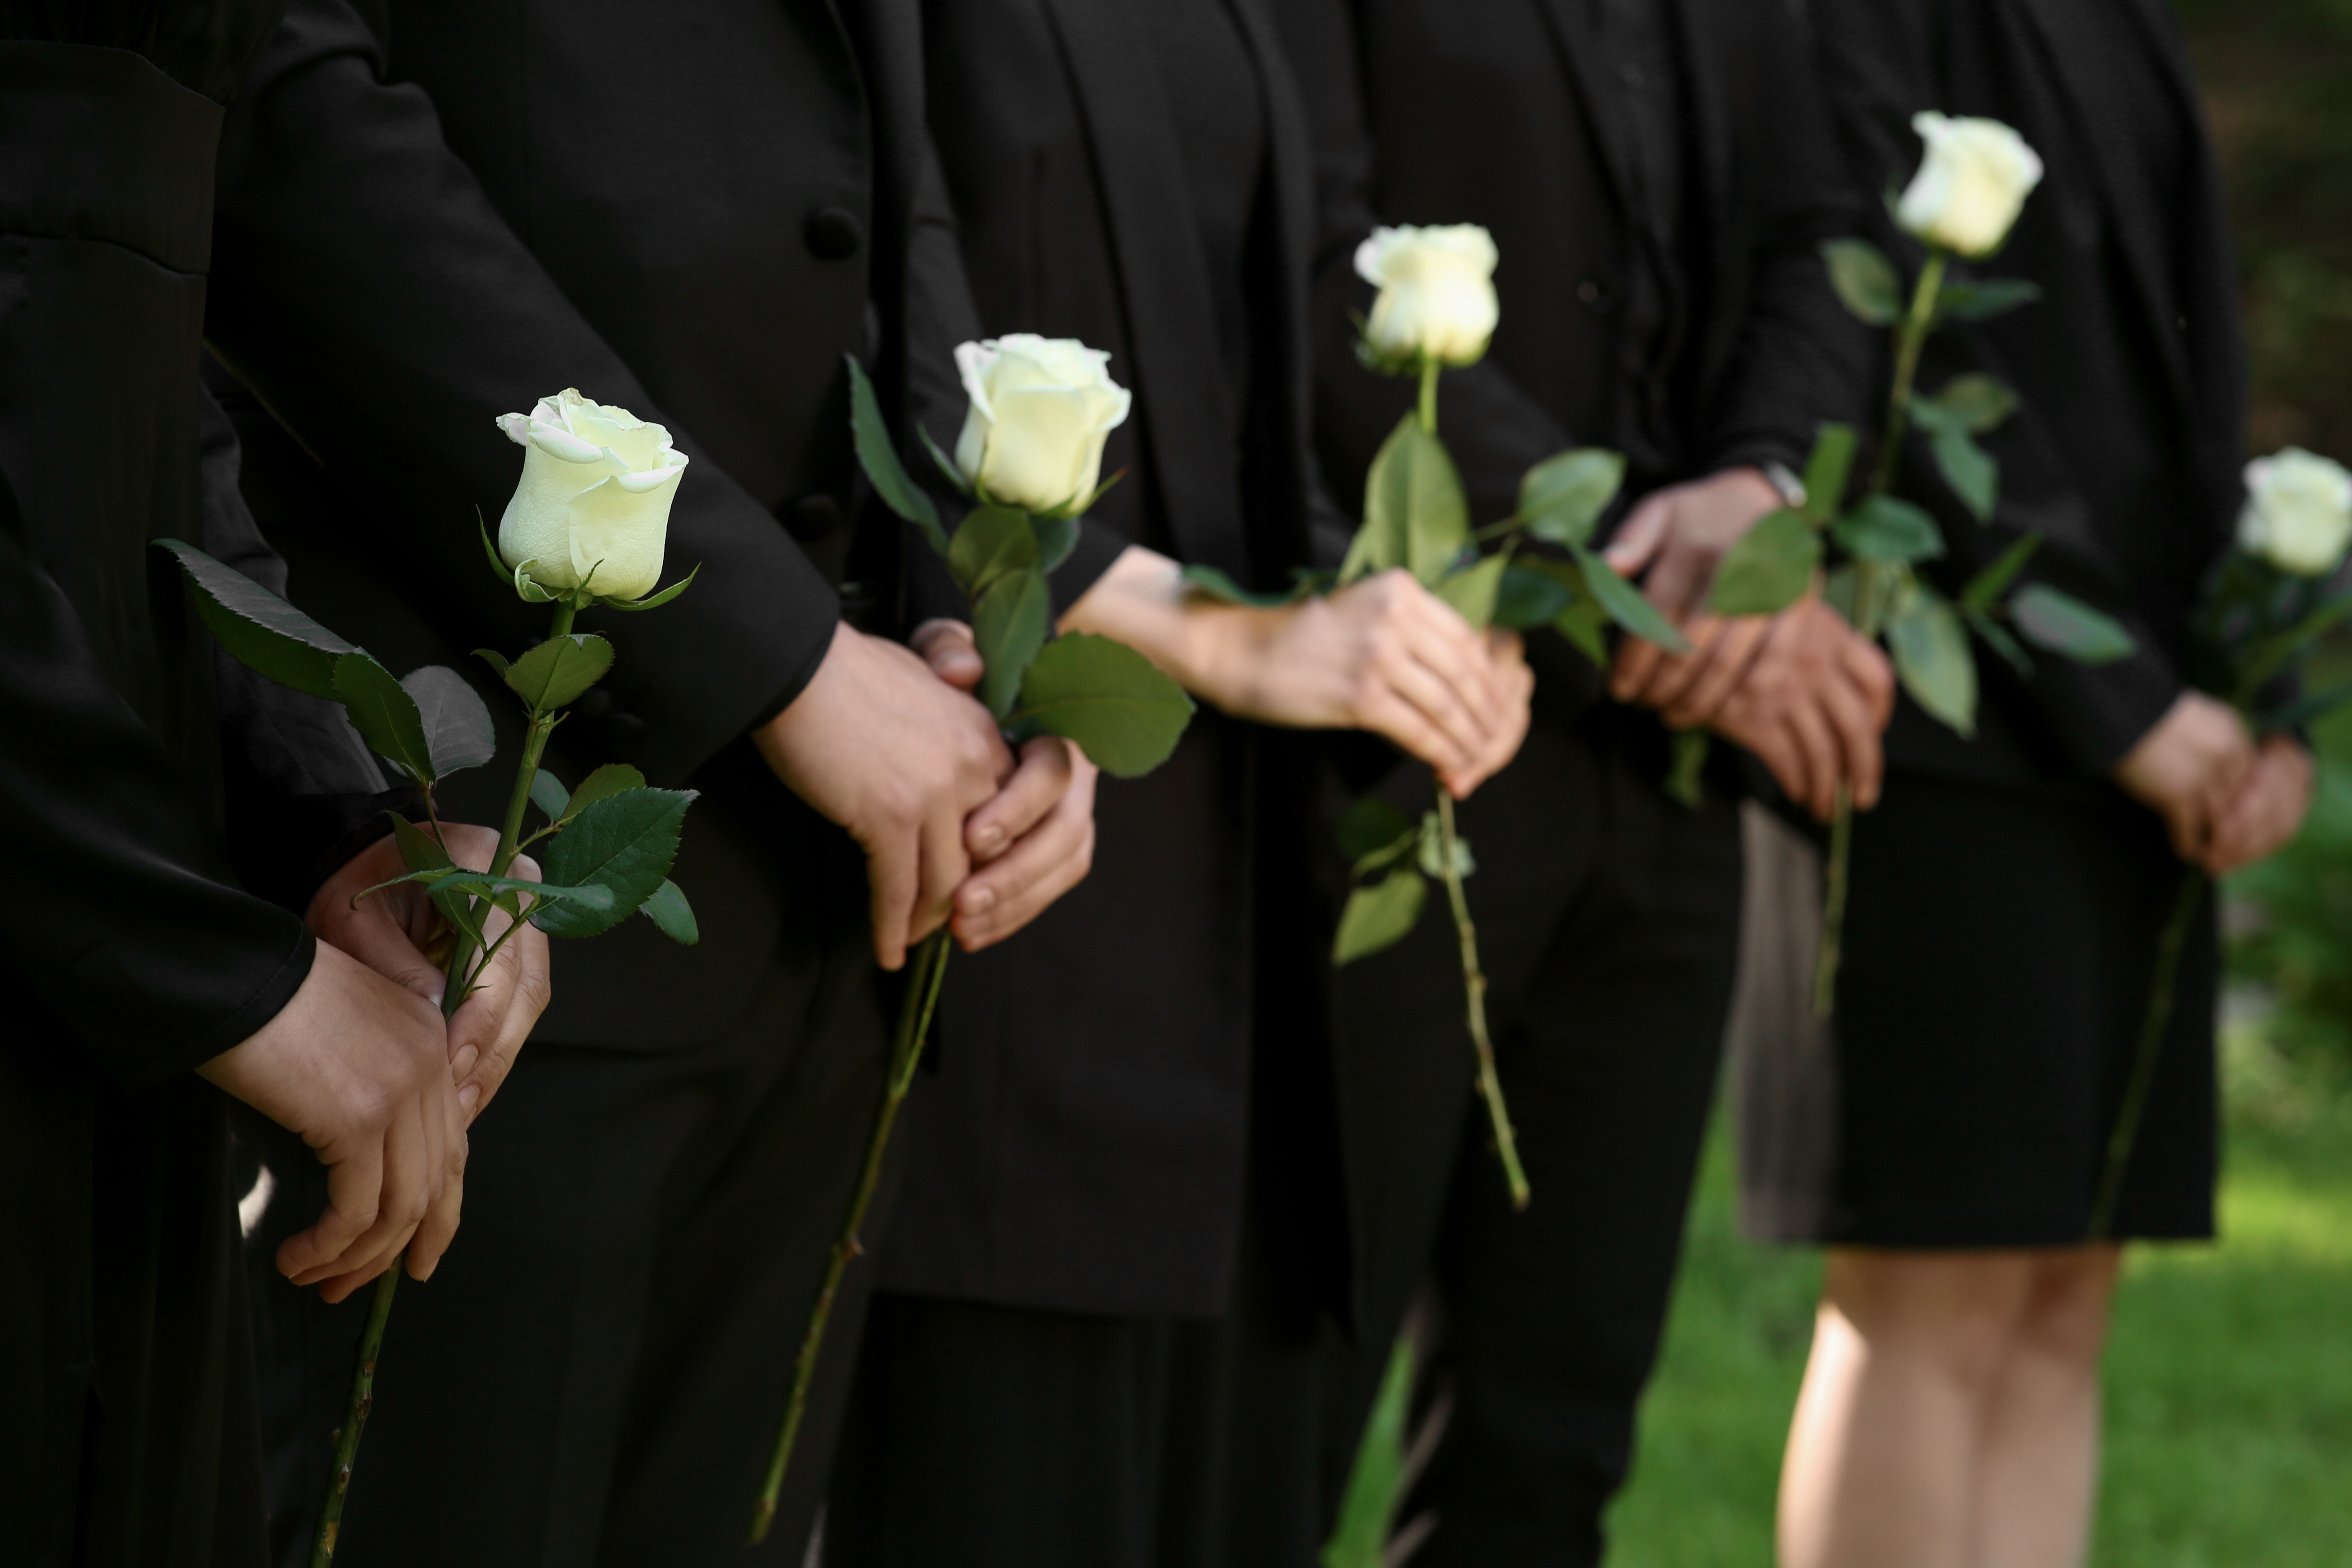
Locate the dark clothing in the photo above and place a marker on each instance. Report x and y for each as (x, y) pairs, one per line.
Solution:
(1964, 1112)
(1658, 180)
(439, 214)
(1079, 1151)
(127, 1433)
(2127, 452)
(644, 1235)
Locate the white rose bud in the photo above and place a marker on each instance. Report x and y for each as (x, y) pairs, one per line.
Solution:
(1040, 410)
(1437, 292)
(1969, 192)
(2299, 514)
(597, 483)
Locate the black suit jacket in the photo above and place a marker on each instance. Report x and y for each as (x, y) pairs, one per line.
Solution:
(2138, 330)
(1083, 1146)
(469, 205)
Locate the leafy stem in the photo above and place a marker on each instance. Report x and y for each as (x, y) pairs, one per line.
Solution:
(1910, 339)
(1474, 985)
(1429, 371)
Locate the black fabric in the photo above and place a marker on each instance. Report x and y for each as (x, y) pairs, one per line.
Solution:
(644, 1236)
(1607, 921)
(127, 1435)
(2125, 455)
(1973, 1094)
(204, 48)
(1080, 1153)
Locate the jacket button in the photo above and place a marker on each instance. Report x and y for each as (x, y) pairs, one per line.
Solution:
(812, 517)
(834, 234)
(1596, 295)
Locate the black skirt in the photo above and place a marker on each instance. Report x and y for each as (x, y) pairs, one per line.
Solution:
(1999, 947)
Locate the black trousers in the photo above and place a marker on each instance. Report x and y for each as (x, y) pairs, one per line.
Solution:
(1608, 916)
(995, 1436)
(596, 1374)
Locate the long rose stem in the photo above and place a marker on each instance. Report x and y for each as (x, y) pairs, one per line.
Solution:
(453, 995)
(1474, 985)
(2125, 1131)
(905, 1052)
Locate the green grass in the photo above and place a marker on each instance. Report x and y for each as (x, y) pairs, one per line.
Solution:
(2230, 1376)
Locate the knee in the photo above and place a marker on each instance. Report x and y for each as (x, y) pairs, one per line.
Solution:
(2066, 1314)
(1953, 1317)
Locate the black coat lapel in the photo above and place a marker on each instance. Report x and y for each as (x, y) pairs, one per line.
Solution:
(1581, 58)
(1170, 320)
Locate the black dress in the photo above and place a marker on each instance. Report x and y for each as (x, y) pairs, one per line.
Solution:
(1072, 1358)
(127, 1431)
(2007, 899)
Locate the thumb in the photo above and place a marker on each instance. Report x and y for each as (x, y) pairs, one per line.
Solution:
(378, 941)
(1637, 544)
(948, 647)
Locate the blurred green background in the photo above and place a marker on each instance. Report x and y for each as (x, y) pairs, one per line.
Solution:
(2230, 1405)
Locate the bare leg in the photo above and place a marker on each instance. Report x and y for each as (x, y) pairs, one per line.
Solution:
(2039, 1468)
(1886, 1447)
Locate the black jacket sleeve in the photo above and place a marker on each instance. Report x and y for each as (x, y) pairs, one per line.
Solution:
(1881, 63)
(366, 289)
(123, 925)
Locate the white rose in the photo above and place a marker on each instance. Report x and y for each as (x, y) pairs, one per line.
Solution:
(1040, 410)
(596, 486)
(1437, 292)
(2299, 514)
(1969, 192)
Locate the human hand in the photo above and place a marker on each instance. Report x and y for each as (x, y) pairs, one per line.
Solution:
(1815, 701)
(398, 933)
(1679, 535)
(877, 744)
(2190, 768)
(360, 1067)
(1035, 839)
(2268, 811)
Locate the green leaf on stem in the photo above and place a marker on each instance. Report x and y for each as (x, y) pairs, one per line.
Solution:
(1686, 768)
(1623, 603)
(419, 850)
(1473, 590)
(607, 780)
(1430, 850)
(1769, 568)
(527, 587)
(655, 601)
(1967, 467)
(1886, 528)
(1931, 656)
(1984, 590)
(1216, 584)
(1977, 403)
(1866, 280)
(668, 909)
(1415, 515)
(879, 457)
(1057, 537)
(1827, 469)
(548, 794)
(1371, 826)
(258, 629)
(1839, 590)
(1984, 299)
(555, 673)
(385, 715)
(1009, 626)
(625, 844)
(1124, 711)
(1996, 638)
(988, 545)
(457, 733)
(1584, 624)
(493, 659)
(2276, 652)
(942, 461)
(1561, 499)
(2064, 624)
(1529, 597)
(1378, 915)
(498, 567)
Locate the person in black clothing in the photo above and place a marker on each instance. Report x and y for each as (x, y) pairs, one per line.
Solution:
(1657, 179)
(435, 213)
(127, 1434)
(1084, 1349)
(2008, 896)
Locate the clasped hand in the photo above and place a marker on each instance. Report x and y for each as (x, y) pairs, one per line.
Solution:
(1802, 690)
(2226, 801)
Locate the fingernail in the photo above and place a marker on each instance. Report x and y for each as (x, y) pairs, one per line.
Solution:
(440, 995)
(469, 1097)
(468, 1055)
(988, 840)
(981, 899)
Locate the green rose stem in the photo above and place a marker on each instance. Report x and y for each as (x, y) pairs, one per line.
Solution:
(905, 1053)
(2169, 950)
(1869, 608)
(453, 995)
(1473, 976)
